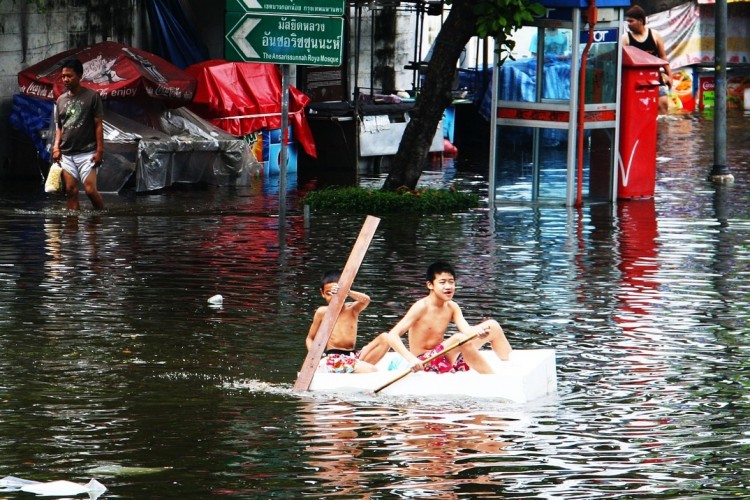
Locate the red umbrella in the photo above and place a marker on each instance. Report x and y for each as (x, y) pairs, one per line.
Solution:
(115, 71)
(244, 97)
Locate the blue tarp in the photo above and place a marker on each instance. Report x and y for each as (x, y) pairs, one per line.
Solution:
(173, 36)
(32, 116)
(517, 82)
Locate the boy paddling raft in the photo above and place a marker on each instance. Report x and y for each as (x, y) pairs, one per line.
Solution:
(427, 322)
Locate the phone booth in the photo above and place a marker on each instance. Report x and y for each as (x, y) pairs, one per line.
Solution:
(536, 131)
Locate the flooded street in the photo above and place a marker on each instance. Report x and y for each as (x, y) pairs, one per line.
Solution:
(113, 365)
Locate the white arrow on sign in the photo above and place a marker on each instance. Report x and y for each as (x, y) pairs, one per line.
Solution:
(240, 37)
(252, 4)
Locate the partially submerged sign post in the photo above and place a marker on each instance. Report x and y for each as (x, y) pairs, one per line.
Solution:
(284, 32)
(305, 376)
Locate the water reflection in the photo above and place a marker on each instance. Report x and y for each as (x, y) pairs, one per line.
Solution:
(63, 249)
(419, 453)
(639, 293)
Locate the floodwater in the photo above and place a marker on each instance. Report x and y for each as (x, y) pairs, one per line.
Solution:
(113, 365)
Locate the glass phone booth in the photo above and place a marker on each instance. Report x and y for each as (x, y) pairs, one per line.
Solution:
(534, 126)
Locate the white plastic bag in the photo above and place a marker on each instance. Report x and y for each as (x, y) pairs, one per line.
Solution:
(54, 182)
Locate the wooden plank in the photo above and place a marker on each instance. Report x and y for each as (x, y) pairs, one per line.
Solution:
(306, 373)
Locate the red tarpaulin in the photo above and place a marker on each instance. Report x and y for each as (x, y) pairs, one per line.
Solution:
(243, 98)
(115, 71)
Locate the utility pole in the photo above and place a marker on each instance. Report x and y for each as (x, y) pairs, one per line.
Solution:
(720, 171)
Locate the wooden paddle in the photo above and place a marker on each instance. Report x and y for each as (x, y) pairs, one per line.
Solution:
(305, 376)
(427, 360)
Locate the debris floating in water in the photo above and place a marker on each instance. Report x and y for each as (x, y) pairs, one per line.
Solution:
(216, 300)
(120, 470)
(54, 488)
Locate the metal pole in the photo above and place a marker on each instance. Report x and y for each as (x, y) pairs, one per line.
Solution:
(284, 139)
(615, 167)
(493, 136)
(372, 53)
(357, 52)
(575, 64)
(720, 171)
(419, 33)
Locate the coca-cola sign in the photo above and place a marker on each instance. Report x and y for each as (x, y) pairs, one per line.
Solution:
(38, 90)
(115, 71)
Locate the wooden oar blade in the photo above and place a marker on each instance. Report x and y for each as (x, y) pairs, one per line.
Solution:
(306, 373)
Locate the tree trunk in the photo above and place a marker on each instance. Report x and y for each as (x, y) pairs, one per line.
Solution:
(435, 96)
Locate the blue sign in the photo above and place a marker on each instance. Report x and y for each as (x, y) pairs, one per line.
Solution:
(609, 35)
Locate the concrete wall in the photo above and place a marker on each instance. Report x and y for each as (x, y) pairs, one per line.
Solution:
(32, 30)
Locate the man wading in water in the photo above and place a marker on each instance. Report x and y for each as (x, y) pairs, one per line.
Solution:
(79, 137)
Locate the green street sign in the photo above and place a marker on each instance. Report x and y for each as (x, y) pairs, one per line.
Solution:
(306, 7)
(284, 39)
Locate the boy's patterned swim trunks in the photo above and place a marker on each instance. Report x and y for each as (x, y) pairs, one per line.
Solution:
(441, 363)
(341, 361)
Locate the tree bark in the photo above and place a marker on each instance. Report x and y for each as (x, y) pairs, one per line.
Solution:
(435, 96)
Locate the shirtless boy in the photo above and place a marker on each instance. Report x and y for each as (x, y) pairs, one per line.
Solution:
(427, 322)
(339, 354)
